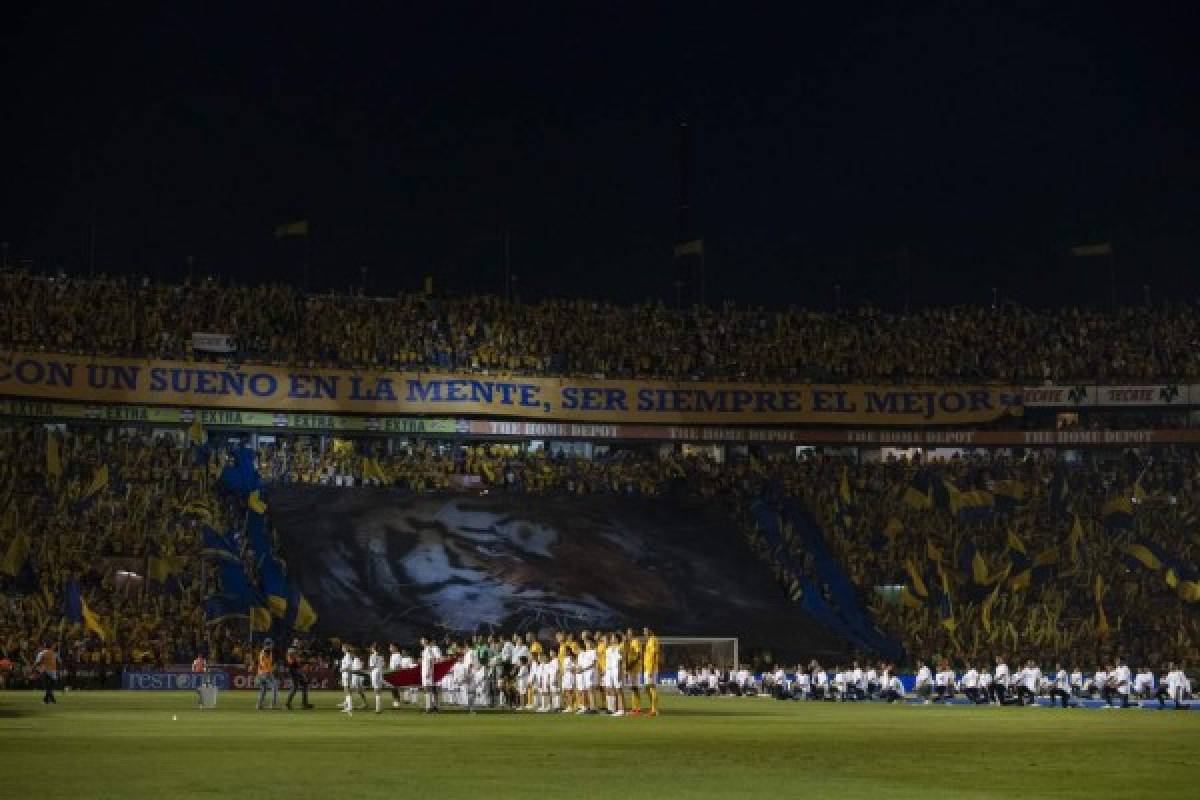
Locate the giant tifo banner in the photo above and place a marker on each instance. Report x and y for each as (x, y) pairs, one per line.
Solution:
(385, 566)
(114, 380)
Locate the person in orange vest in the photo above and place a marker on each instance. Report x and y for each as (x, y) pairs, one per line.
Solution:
(46, 665)
(266, 676)
(200, 667)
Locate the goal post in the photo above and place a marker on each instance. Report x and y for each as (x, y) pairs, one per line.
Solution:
(697, 652)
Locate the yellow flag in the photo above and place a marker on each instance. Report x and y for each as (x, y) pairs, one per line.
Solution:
(1145, 556)
(196, 430)
(298, 228)
(893, 528)
(305, 615)
(933, 552)
(95, 623)
(14, 557)
(99, 481)
(1098, 591)
(53, 457)
(1020, 580)
(986, 609)
(260, 619)
(979, 569)
(917, 583)
(1046, 557)
(917, 500)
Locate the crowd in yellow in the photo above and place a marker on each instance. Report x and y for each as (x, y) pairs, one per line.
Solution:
(116, 514)
(968, 556)
(1017, 557)
(281, 325)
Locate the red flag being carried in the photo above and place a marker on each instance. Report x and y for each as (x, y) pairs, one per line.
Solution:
(411, 676)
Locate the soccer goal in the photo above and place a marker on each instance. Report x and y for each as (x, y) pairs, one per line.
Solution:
(696, 652)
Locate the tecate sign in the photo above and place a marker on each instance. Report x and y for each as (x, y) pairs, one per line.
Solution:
(171, 681)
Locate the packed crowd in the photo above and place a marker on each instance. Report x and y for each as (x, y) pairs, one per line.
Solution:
(1023, 557)
(96, 514)
(1042, 568)
(281, 325)
(429, 467)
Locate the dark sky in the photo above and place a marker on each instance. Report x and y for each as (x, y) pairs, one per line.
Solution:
(971, 142)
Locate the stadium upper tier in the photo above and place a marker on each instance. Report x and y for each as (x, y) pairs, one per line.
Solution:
(281, 325)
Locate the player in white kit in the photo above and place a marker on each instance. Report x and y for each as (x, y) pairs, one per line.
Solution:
(552, 681)
(396, 660)
(470, 663)
(346, 667)
(375, 667)
(587, 679)
(568, 682)
(430, 655)
(613, 667)
(357, 677)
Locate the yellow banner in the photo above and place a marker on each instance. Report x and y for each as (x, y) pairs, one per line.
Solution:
(48, 376)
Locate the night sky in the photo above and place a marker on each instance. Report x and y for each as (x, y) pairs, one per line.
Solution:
(924, 155)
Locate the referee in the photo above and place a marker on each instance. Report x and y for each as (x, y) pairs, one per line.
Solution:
(295, 670)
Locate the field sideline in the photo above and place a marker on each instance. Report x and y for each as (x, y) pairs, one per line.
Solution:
(126, 744)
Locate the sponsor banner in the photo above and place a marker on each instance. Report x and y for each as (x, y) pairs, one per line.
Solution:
(913, 437)
(171, 681)
(1165, 394)
(213, 342)
(919, 438)
(242, 678)
(493, 429)
(222, 418)
(223, 678)
(301, 391)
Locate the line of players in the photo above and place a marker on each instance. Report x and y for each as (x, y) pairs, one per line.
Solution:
(1115, 683)
(588, 674)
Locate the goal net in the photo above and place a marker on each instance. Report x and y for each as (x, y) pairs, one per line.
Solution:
(695, 652)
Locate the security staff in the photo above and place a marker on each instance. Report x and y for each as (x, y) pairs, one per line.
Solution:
(295, 669)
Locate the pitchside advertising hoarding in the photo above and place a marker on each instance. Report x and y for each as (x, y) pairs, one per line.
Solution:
(223, 677)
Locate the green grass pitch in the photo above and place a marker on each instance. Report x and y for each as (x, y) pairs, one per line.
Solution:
(129, 744)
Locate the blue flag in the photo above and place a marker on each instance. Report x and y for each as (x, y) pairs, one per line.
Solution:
(72, 605)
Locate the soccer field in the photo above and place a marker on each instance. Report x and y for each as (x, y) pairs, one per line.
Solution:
(124, 744)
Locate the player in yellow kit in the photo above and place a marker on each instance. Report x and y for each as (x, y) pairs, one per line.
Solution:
(650, 658)
(633, 669)
(598, 693)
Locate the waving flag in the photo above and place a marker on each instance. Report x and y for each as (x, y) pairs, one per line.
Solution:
(411, 676)
(16, 556)
(1117, 513)
(54, 467)
(94, 622)
(72, 606)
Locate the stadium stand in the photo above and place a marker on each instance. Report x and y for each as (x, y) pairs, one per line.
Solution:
(109, 527)
(279, 324)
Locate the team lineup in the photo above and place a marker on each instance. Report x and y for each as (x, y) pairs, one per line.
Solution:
(608, 673)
